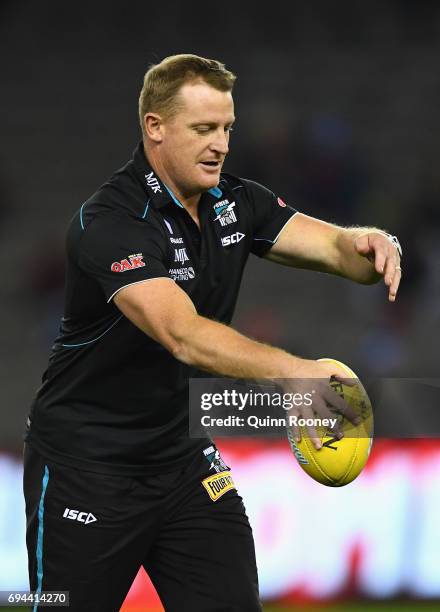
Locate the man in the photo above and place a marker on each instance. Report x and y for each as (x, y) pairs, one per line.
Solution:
(155, 258)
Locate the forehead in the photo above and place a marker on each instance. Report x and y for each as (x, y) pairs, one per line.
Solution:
(200, 100)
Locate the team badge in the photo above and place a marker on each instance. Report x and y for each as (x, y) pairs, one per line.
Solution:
(216, 463)
(225, 212)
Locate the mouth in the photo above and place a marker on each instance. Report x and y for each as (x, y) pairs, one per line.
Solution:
(211, 165)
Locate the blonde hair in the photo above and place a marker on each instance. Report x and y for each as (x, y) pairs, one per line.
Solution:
(163, 81)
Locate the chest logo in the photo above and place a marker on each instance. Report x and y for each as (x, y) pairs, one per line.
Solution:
(133, 261)
(232, 239)
(180, 255)
(182, 274)
(225, 212)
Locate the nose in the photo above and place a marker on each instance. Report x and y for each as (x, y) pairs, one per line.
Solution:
(220, 143)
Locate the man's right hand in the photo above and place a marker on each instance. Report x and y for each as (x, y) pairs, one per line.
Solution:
(314, 377)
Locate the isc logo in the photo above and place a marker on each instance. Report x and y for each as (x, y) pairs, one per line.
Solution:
(232, 239)
(82, 517)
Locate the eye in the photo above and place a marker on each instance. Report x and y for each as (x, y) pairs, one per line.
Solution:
(202, 129)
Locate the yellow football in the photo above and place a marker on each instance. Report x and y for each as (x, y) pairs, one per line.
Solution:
(338, 461)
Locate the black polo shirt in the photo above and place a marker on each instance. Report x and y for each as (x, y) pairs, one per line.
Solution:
(112, 399)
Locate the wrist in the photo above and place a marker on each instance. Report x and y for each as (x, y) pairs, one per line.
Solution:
(395, 242)
(294, 367)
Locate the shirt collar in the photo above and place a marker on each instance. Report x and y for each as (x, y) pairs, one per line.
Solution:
(159, 194)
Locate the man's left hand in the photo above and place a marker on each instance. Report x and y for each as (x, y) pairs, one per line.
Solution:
(383, 252)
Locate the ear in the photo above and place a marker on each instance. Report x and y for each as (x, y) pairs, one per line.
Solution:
(153, 126)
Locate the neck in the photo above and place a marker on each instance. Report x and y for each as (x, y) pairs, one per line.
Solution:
(188, 200)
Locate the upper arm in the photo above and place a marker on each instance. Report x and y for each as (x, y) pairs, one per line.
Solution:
(118, 251)
(269, 215)
(307, 242)
(127, 258)
(160, 308)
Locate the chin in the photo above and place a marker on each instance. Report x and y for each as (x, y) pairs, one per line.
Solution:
(209, 182)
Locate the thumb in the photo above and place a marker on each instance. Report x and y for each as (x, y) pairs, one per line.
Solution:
(334, 371)
(362, 245)
(346, 380)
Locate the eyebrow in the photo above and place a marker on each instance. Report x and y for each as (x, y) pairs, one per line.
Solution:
(210, 123)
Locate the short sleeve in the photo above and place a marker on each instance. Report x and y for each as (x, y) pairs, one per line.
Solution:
(118, 251)
(270, 215)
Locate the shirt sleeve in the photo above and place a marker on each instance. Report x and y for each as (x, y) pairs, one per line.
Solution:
(270, 215)
(118, 251)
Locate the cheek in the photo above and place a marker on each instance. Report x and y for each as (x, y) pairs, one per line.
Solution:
(190, 152)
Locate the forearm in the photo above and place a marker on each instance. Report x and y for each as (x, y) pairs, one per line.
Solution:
(166, 314)
(219, 349)
(351, 264)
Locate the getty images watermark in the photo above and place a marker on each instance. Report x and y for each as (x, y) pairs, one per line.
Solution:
(252, 399)
(228, 407)
(403, 407)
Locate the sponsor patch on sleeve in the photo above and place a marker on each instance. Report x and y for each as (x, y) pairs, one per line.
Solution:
(218, 484)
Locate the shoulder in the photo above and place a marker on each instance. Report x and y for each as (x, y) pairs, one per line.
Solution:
(121, 196)
(245, 188)
(101, 221)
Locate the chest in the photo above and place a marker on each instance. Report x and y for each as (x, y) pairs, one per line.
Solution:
(214, 252)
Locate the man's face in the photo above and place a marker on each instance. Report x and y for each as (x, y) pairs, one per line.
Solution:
(196, 139)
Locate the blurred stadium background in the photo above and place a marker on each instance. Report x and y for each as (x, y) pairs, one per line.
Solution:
(337, 107)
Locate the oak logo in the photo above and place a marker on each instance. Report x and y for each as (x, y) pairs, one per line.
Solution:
(133, 261)
(81, 517)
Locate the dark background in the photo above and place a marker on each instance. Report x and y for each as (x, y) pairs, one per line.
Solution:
(337, 111)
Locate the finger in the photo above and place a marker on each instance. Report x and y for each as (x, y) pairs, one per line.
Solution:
(350, 382)
(390, 268)
(321, 408)
(307, 413)
(335, 371)
(395, 285)
(379, 261)
(336, 401)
